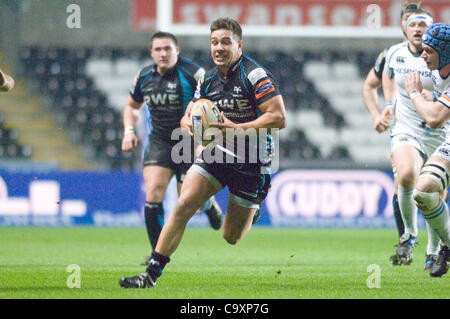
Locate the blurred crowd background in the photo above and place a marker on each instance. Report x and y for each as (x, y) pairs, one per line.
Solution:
(72, 83)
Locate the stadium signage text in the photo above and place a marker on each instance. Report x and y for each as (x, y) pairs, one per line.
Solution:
(282, 12)
(60, 198)
(329, 193)
(43, 200)
(297, 198)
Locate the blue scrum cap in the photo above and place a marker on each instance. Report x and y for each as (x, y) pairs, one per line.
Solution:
(437, 36)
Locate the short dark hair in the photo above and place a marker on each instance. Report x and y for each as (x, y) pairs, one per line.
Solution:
(414, 7)
(161, 34)
(227, 24)
(409, 7)
(424, 10)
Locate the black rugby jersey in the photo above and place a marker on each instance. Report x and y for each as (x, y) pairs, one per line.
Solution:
(379, 64)
(166, 96)
(239, 94)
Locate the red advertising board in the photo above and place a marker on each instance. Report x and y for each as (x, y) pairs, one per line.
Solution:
(283, 12)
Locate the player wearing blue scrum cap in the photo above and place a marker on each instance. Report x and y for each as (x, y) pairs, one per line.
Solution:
(438, 38)
(434, 176)
(412, 140)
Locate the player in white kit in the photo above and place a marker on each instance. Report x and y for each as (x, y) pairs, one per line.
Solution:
(412, 140)
(434, 177)
(370, 96)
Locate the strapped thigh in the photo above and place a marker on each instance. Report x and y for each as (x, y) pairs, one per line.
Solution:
(438, 173)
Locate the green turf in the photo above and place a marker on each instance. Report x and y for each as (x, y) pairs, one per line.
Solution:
(267, 263)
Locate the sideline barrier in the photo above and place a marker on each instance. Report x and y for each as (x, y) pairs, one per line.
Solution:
(297, 198)
(70, 199)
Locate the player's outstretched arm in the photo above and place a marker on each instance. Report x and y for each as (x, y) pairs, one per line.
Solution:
(130, 140)
(370, 97)
(388, 85)
(434, 113)
(274, 114)
(6, 82)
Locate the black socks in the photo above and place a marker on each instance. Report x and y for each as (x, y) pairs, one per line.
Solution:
(157, 264)
(154, 221)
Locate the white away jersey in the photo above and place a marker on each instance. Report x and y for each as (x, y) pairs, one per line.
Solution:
(442, 87)
(399, 62)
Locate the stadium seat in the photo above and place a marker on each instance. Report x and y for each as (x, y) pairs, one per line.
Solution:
(309, 119)
(348, 104)
(99, 67)
(118, 100)
(370, 155)
(65, 76)
(323, 102)
(339, 77)
(9, 143)
(344, 70)
(126, 68)
(338, 152)
(354, 136)
(108, 83)
(316, 70)
(359, 120)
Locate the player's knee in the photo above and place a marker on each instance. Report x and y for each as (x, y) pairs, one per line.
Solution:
(407, 179)
(185, 207)
(426, 200)
(434, 177)
(426, 185)
(155, 193)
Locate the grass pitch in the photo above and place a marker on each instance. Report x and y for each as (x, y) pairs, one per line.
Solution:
(266, 264)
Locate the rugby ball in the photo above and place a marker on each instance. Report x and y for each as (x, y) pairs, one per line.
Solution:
(204, 112)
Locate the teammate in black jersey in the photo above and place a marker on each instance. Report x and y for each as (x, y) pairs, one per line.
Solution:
(166, 87)
(248, 98)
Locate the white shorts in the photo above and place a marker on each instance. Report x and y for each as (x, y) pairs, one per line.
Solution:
(426, 145)
(443, 151)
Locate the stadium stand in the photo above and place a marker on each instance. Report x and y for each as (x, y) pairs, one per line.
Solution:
(45, 144)
(10, 147)
(87, 88)
(59, 75)
(340, 77)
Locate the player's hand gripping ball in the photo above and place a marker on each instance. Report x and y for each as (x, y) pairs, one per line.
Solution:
(203, 113)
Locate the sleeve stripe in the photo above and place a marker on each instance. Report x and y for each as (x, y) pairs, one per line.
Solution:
(444, 99)
(270, 88)
(260, 95)
(261, 83)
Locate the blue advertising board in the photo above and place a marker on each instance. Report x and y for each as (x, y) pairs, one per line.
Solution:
(331, 198)
(297, 198)
(70, 198)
